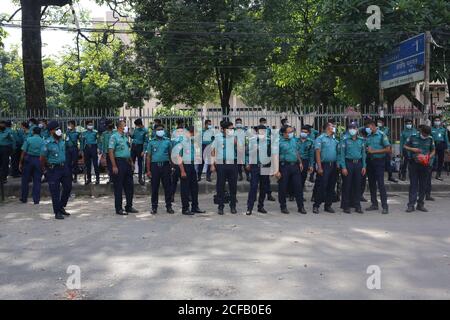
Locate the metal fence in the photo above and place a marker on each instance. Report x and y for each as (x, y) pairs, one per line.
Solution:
(316, 116)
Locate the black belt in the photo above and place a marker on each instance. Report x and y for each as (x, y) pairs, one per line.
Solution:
(32, 156)
(53, 166)
(289, 163)
(328, 162)
(120, 158)
(137, 144)
(353, 160)
(161, 163)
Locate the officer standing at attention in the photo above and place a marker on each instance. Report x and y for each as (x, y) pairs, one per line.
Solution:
(30, 165)
(404, 136)
(326, 158)
(72, 151)
(381, 126)
(7, 145)
(122, 169)
(19, 136)
(306, 147)
(185, 159)
(263, 122)
(258, 156)
(207, 139)
(290, 168)
(159, 167)
(421, 147)
(378, 146)
(225, 164)
(139, 141)
(440, 138)
(104, 148)
(352, 161)
(178, 136)
(240, 131)
(53, 157)
(89, 147)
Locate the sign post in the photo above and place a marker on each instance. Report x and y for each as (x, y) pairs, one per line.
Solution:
(426, 89)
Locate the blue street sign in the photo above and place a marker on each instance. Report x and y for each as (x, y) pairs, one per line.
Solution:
(404, 64)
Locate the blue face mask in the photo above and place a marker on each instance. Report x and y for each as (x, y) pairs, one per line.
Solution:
(160, 133)
(368, 130)
(352, 132)
(303, 135)
(409, 126)
(290, 135)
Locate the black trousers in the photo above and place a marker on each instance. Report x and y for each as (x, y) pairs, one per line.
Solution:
(418, 180)
(5, 152)
(123, 181)
(136, 153)
(161, 174)
(404, 163)
(375, 174)
(91, 158)
(57, 177)
(226, 173)
(257, 179)
(15, 159)
(351, 185)
(325, 185)
(440, 154)
(189, 187)
(290, 176)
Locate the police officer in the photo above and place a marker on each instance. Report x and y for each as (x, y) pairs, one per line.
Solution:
(290, 168)
(72, 151)
(224, 162)
(45, 133)
(440, 138)
(177, 137)
(185, 159)
(104, 148)
(258, 153)
(31, 124)
(53, 158)
(313, 136)
(419, 145)
(326, 165)
(404, 136)
(306, 147)
(122, 169)
(19, 136)
(89, 147)
(388, 156)
(240, 131)
(263, 122)
(352, 161)
(139, 141)
(7, 145)
(159, 167)
(207, 139)
(30, 165)
(377, 146)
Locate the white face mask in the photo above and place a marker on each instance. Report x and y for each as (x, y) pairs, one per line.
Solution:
(90, 127)
(409, 126)
(303, 135)
(160, 133)
(69, 127)
(334, 129)
(58, 132)
(437, 123)
(230, 132)
(352, 132)
(125, 130)
(209, 126)
(379, 124)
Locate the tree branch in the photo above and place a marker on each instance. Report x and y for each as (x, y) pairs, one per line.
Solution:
(59, 3)
(43, 11)
(13, 15)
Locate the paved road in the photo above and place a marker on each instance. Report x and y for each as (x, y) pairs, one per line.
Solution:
(271, 256)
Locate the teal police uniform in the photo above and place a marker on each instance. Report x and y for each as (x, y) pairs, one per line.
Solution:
(139, 140)
(72, 151)
(32, 168)
(352, 157)
(325, 184)
(19, 136)
(189, 184)
(123, 180)
(418, 173)
(404, 135)
(388, 156)
(376, 167)
(7, 145)
(440, 137)
(89, 141)
(104, 147)
(159, 150)
(207, 139)
(306, 150)
(57, 173)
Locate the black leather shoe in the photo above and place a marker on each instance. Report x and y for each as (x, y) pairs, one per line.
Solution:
(270, 198)
(392, 179)
(197, 210)
(291, 198)
(141, 182)
(240, 177)
(347, 211)
(59, 216)
(154, 211)
(170, 210)
(359, 210)
(410, 209)
(385, 211)
(329, 210)
(187, 213)
(121, 213)
(262, 210)
(64, 212)
(429, 198)
(372, 208)
(248, 212)
(23, 201)
(233, 210)
(422, 208)
(315, 210)
(199, 179)
(97, 182)
(132, 210)
(285, 211)
(87, 183)
(220, 211)
(363, 199)
(302, 210)
(208, 179)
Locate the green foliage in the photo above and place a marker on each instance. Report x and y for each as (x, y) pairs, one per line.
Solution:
(12, 91)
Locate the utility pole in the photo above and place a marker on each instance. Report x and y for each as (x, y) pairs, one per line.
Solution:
(426, 89)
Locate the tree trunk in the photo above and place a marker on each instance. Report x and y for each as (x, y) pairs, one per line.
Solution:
(32, 56)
